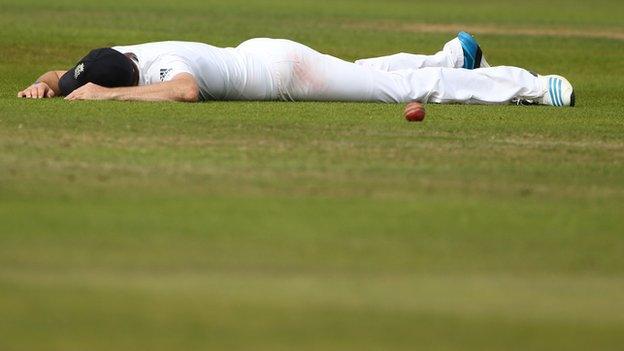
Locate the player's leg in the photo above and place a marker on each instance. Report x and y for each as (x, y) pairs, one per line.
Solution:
(310, 75)
(496, 85)
(450, 56)
(411, 61)
(303, 74)
(493, 85)
(461, 52)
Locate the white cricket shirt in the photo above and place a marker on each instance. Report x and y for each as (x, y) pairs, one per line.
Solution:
(221, 73)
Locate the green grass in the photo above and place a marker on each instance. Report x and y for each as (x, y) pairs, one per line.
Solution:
(313, 226)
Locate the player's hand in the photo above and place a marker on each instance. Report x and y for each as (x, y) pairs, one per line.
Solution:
(89, 91)
(37, 91)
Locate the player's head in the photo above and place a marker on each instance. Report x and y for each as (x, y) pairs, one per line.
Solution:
(105, 67)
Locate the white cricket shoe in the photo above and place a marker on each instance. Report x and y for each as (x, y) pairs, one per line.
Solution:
(559, 92)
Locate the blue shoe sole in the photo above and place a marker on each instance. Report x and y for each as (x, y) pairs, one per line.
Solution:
(472, 51)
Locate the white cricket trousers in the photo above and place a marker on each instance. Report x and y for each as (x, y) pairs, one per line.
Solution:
(299, 73)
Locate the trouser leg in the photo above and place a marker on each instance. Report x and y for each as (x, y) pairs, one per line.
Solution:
(496, 85)
(303, 74)
(451, 56)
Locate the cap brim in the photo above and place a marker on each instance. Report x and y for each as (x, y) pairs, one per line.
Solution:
(68, 83)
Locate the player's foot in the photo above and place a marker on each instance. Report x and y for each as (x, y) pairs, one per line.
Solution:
(559, 92)
(473, 56)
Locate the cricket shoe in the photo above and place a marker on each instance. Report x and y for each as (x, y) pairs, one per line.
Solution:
(559, 92)
(473, 56)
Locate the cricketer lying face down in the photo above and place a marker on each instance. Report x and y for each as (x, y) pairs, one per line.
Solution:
(278, 69)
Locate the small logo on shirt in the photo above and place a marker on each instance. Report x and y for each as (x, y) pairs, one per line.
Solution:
(164, 72)
(79, 69)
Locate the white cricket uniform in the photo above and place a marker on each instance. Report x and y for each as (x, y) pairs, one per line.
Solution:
(278, 69)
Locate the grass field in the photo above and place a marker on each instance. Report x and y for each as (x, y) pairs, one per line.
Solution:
(313, 226)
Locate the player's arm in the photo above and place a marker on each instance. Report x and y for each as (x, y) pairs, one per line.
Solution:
(182, 87)
(46, 86)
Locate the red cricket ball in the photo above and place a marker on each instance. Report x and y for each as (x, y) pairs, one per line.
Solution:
(414, 112)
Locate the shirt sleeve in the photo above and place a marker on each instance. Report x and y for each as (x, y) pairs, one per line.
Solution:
(166, 67)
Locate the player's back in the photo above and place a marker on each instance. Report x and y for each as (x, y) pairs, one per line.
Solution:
(220, 72)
